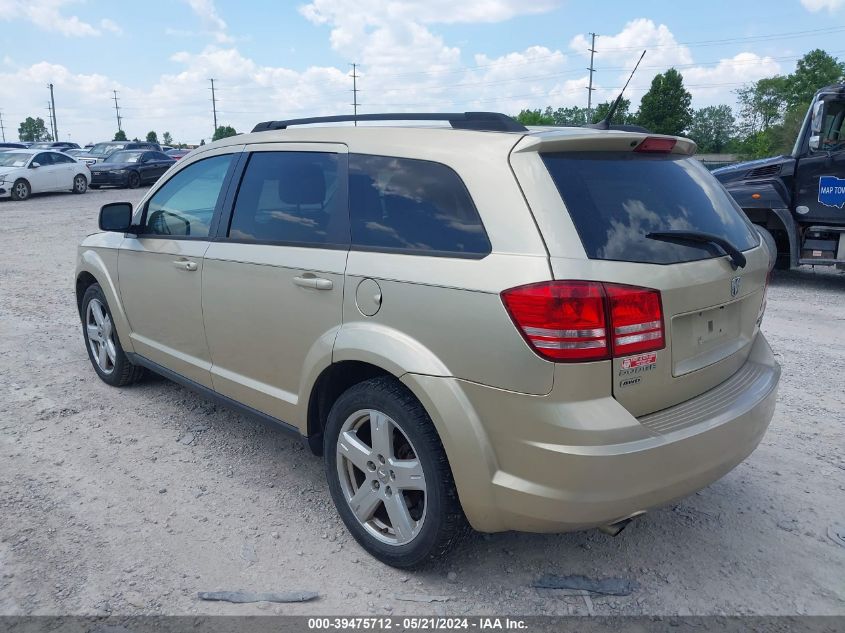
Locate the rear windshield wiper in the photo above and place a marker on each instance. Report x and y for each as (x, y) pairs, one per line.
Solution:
(737, 258)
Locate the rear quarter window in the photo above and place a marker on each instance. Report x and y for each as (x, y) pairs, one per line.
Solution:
(616, 199)
(412, 206)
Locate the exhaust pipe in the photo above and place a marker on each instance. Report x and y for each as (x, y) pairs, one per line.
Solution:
(613, 529)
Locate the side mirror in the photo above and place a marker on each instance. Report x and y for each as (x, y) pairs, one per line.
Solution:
(116, 216)
(34, 165)
(814, 143)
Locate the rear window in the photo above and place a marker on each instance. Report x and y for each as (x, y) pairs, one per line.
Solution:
(616, 199)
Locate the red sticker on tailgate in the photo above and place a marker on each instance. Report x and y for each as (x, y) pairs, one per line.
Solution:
(638, 361)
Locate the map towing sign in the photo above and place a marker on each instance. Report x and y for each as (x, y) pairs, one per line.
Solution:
(832, 191)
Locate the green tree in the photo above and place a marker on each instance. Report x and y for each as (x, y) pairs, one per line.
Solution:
(167, 139)
(534, 117)
(33, 130)
(223, 131)
(622, 114)
(120, 135)
(815, 70)
(762, 104)
(666, 108)
(152, 137)
(712, 128)
(570, 117)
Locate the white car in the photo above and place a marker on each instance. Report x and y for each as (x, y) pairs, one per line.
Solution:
(27, 171)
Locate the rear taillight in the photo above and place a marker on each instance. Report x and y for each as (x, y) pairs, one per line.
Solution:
(570, 321)
(637, 319)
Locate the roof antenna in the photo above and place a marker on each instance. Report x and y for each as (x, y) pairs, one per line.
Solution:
(604, 124)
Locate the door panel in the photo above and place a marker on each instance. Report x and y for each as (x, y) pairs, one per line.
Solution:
(273, 281)
(160, 286)
(160, 271)
(262, 326)
(43, 177)
(824, 205)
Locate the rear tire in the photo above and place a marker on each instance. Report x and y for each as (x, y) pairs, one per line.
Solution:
(80, 184)
(104, 349)
(21, 190)
(375, 430)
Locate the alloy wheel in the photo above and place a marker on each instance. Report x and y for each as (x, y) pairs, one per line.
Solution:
(381, 477)
(100, 332)
(80, 184)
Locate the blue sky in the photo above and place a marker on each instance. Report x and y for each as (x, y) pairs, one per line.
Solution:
(282, 59)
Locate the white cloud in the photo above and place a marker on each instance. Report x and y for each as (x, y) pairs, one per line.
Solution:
(111, 26)
(709, 83)
(48, 16)
(211, 20)
(821, 5)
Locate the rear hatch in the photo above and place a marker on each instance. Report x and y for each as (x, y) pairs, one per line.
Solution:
(620, 203)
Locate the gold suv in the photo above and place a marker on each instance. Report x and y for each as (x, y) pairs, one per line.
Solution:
(539, 330)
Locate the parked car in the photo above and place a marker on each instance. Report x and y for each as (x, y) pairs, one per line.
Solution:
(540, 330)
(27, 171)
(130, 168)
(99, 152)
(57, 145)
(76, 153)
(7, 146)
(178, 153)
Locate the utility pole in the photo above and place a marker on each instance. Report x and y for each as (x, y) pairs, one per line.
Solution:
(590, 88)
(213, 106)
(354, 103)
(117, 112)
(2, 129)
(51, 120)
(53, 105)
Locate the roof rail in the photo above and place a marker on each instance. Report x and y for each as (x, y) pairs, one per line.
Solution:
(481, 121)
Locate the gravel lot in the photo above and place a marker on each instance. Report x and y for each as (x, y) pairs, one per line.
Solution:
(131, 501)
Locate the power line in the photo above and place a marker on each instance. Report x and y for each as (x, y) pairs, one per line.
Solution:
(213, 106)
(354, 104)
(590, 88)
(117, 112)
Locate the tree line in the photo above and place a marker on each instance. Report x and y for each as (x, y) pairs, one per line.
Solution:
(766, 121)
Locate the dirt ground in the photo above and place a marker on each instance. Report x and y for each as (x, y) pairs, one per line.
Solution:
(131, 501)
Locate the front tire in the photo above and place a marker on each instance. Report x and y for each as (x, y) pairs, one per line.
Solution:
(80, 184)
(389, 476)
(104, 349)
(21, 190)
(133, 180)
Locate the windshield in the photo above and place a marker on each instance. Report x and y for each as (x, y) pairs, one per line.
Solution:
(616, 199)
(101, 149)
(41, 145)
(125, 157)
(14, 159)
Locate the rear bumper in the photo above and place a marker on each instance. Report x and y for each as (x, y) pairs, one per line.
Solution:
(543, 465)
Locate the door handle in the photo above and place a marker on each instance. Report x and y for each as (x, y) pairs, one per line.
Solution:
(184, 264)
(318, 283)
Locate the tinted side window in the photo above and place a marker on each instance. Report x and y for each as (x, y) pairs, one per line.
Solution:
(185, 204)
(44, 159)
(292, 198)
(62, 158)
(413, 206)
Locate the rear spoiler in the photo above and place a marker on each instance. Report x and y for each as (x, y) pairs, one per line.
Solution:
(587, 140)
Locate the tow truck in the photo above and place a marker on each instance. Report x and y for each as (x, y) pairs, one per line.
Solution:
(797, 200)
